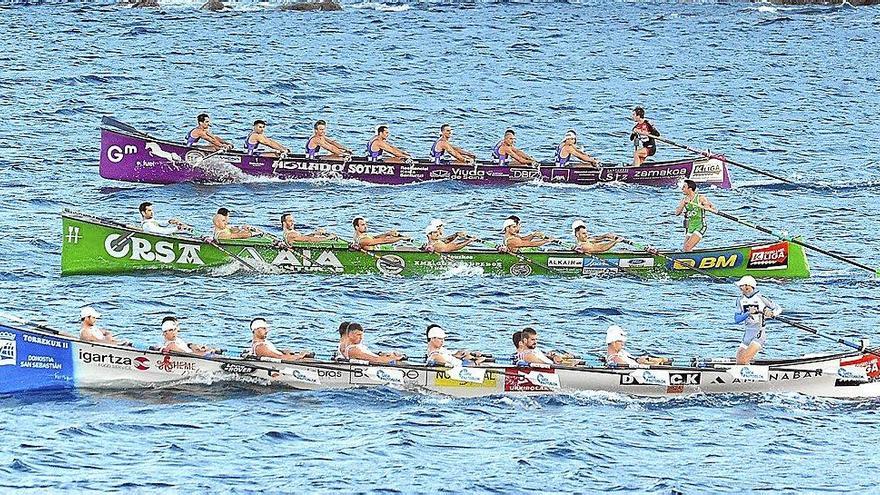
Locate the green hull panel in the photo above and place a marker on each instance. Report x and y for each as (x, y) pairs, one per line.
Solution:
(97, 246)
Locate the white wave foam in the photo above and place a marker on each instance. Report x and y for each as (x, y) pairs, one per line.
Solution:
(381, 7)
(767, 8)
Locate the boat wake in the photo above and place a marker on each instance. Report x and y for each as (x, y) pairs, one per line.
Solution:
(380, 7)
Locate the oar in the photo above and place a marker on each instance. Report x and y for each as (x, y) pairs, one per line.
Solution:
(710, 155)
(765, 230)
(785, 320)
(518, 256)
(223, 250)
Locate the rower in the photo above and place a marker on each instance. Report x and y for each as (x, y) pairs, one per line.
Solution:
(258, 137)
(261, 347)
(693, 206)
(89, 330)
(356, 349)
(201, 131)
(513, 242)
(528, 352)
(152, 226)
(506, 151)
(616, 356)
(568, 148)
(752, 310)
(517, 345)
(591, 245)
(343, 341)
(320, 140)
(291, 235)
(365, 241)
(223, 231)
(438, 354)
(645, 145)
(437, 243)
(379, 144)
(444, 146)
(173, 342)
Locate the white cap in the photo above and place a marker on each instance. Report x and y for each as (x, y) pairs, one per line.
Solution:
(259, 323)
(614, 334)
(747, 280)
(507, 223)
(433, 226)
(436, 332)
(578, 224)
(570, 135)
(169, 325)
(88, 311)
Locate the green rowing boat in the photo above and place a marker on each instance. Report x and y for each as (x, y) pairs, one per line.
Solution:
(94, 245)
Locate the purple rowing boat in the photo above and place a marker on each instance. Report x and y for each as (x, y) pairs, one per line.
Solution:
(130, 155)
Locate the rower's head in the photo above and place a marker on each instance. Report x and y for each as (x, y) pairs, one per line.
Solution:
(570, 137)
(638, 114)
(260, 328)
(510, 227)
(446, 131)
(359, 224)
(747, 285)
(343, 328)
(517, 339)
(88, 315)
(320, 128)
(382, 131)
(580, 230)
(287, 221)
(259, 126)
(688, 186)
(615, 338)
(203, 120)
(170, 327)
(529, 338)
(509, 137)
(146, 209)
(435, 335)
(434, 229)
(221, 218)
(355, 333)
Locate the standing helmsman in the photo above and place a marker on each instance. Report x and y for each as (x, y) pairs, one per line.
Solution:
(694, 207)
(642, 137)
(752, 309)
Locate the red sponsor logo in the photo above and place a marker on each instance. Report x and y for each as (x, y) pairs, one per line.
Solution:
(141, 363)
(517, 380)
(168, 365)
(774, 256)
(868, 361)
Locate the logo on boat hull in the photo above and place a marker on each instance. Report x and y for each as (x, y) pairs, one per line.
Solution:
(711, 170)
(7, 349)
(138, 249)
(390, 264)
(708, 261)
(772, 257)
(520, 269)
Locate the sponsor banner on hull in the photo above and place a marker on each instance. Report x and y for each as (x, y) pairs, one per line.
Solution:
(707, 261)
(371, 375)
(869, 362)
(136, 248)
(772, 257)
(711, 170)
(750, 373)
(522, 380)
(445, 379)
(34, 361)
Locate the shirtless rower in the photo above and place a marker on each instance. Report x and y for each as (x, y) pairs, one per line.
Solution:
(292, 235)
(202, 131)
(438, 354)
(568, 148)
(152, 226)
(528, 351)
(645, 145)
(319, 140)
(616, 355)
(89, 330)
(379, 144)
(438, 243)
(261, 347)
(173, 342)
(506, 151)
(591, 245)
(223, 231)
(444, 146)
(693, 206)
(258, 137)
(752, 309)
(365, 241)
(356, 349)
(513, 242)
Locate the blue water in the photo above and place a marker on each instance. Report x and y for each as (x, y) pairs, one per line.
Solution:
(788, 90)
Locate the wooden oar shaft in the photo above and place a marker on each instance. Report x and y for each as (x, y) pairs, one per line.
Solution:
(765, 230)
(229, 253)
(710, 155)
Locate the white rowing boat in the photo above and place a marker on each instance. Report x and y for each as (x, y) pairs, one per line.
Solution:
(34, 357)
